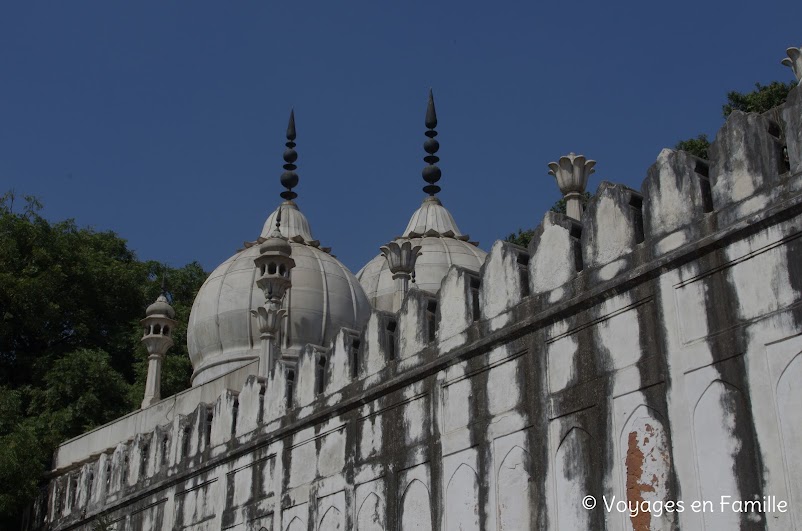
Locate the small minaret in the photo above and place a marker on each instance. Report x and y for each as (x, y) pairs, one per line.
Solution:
(572, 172)
(274, 264)
(158, 325)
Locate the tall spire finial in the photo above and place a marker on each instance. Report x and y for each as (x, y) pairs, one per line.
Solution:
(164, 283)
(431, 173)
(289, 179)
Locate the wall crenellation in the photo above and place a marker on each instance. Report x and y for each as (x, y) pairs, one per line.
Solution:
(755, 163)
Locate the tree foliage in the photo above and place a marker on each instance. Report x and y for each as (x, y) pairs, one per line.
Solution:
(561, 206)
(523, 237)
(71, 299)
(762, 99)
(22, 458)
(64, 288)
(695, 146)
(82, 390)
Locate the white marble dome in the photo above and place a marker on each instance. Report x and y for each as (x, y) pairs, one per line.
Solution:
(442, 245)
(222, 334)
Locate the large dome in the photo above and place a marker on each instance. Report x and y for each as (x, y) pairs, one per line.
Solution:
(325, 296)
(442, 245)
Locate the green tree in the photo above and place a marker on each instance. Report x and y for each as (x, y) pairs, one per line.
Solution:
(560, 206)
(71, 299)
(63, 288)
(695, 146)
(22, 460)
(523, 237)
(82, 390)
(762, 99)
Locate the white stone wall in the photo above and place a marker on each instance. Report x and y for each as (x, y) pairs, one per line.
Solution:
(656, 358)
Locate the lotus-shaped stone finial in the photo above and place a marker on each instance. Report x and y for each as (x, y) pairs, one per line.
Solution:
(401, 257)
(269, 319)
(794, 61)
(572, 172)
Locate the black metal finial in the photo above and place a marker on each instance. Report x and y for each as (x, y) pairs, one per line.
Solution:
(278, 220)
(289, 179)
(431, 173)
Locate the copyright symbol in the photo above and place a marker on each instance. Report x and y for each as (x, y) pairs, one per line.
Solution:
(588, 502)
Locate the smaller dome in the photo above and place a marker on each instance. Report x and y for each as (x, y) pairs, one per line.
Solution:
(294, 225)
(160, 308)
(276, 243)
(432, 219)
(442, 245)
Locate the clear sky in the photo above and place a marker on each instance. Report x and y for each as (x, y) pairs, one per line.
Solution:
(164, 121)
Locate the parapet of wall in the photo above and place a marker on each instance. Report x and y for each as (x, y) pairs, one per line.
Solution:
(100, 439)
(649, 352)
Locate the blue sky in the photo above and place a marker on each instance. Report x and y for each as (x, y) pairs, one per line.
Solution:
(164, 121)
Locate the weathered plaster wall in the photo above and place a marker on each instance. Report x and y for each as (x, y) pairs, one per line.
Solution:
(649, 353)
